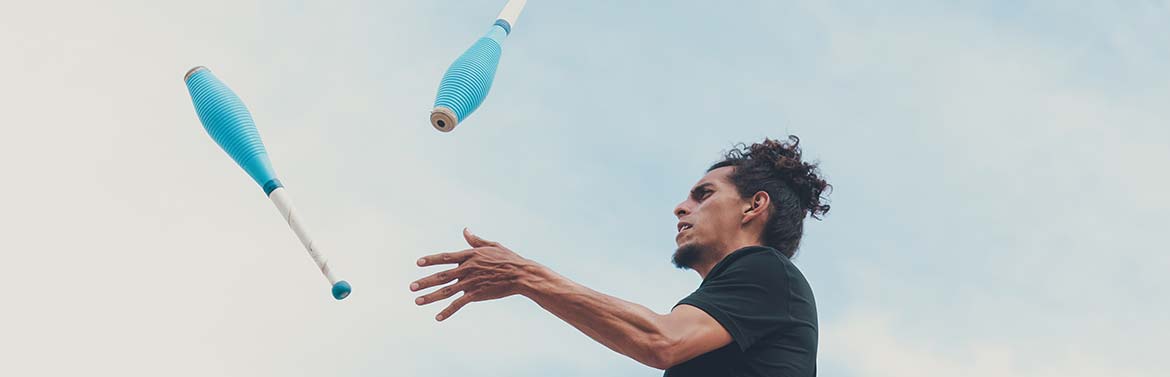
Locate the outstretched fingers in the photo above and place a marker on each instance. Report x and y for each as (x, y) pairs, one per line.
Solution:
(454, 307)
(436, 279)
(442, 293)
(454, 257)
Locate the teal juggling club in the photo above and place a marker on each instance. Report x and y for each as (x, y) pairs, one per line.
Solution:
(230, 124)
(468, 80)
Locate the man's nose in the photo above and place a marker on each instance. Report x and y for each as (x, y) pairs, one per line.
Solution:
(681, 210)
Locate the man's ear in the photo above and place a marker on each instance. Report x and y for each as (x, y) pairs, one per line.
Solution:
(757, 206)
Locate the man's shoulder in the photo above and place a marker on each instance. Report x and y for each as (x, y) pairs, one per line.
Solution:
(760, 267)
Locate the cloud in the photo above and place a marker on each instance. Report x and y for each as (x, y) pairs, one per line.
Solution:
(996, 210)
(869, 345)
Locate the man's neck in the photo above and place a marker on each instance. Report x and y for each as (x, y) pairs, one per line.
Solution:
(704, 268)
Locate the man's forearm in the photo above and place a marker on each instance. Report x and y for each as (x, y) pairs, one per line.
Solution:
(490, 271)
(628, 328)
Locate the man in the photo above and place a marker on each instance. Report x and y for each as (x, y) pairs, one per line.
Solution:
(753, 314)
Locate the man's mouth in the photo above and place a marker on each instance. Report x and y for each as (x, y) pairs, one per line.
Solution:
(684, 226)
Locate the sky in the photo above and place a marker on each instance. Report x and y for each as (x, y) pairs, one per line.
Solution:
(998, 176)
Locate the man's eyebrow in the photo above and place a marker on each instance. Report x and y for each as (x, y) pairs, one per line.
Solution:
(701, 187)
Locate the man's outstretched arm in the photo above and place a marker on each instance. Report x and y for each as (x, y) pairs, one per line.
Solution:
(489, 271)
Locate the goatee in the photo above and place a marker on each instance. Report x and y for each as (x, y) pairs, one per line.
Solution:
(687, 255)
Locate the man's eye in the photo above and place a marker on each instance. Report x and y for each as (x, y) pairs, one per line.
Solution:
(704, 194)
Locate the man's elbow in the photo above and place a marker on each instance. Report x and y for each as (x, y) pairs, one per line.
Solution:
(660, 362)
(662, 354)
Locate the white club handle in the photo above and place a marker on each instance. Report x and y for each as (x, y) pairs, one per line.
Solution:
(512, 11)
(283, 203)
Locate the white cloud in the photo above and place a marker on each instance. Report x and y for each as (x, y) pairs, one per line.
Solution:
(867, 344)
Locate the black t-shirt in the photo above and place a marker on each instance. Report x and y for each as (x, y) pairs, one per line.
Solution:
(766, 305)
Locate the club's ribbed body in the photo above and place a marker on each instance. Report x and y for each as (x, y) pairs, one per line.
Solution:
(468, 80)
(230, 124)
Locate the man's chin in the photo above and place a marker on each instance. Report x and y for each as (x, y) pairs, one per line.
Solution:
(687, 255)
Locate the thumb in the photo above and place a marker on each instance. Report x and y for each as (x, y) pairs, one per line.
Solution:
(474, 240)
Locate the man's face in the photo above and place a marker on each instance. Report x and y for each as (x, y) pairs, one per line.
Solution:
(711, 213)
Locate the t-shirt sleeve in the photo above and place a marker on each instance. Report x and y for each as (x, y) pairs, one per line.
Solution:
(749, 299)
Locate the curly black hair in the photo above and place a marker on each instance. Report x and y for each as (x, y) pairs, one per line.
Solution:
(795, 187)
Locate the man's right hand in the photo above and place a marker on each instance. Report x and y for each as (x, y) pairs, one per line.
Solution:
(487, 271)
